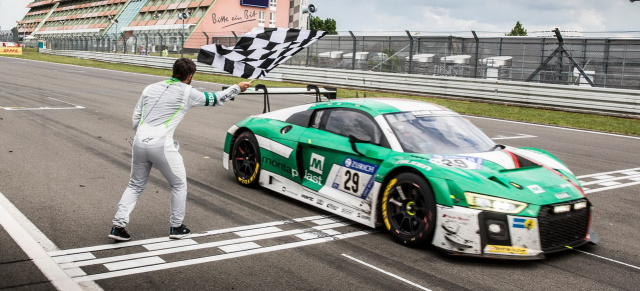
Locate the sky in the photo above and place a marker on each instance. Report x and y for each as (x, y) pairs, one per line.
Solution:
(483, 16)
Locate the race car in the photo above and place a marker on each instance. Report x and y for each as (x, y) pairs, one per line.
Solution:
(422, 171)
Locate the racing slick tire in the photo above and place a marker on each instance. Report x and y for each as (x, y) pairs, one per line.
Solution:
(245, 157)
(409, 209)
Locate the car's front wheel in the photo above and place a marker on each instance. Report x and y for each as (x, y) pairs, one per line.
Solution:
(245, 158)
(409, 209)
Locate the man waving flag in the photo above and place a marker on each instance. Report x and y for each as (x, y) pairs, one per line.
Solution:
(259, 51)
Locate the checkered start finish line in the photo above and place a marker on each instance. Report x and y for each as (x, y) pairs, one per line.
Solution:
(259, 51)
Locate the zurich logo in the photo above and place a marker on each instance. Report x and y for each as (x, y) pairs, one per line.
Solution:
(347, 162)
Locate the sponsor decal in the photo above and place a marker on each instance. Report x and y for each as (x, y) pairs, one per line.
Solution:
(385, 201)
(535, 189)
(562, 195)
(523, 223)
(518, 186)
(148, 139)
(312, 178)
(279, 165)
(347, 211)
(565, 185)
(355, 177)
(454, 217)
(332, 207)
(454, 161)
(363, 216)
(414, 163)
(317, 163)
(320, 202)
(307, 197)
(10, 50)
(506, 250)
(252, 178)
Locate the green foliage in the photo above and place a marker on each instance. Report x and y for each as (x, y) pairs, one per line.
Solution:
(329, 25)
(518, 30)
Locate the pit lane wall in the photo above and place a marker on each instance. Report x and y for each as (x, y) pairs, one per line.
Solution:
(606, 101)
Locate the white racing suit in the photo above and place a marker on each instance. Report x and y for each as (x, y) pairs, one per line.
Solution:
(160, 108)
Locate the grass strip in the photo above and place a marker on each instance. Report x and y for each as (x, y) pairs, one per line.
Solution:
(627, 126)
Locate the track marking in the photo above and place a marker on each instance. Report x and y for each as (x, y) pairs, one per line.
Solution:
(195, 235)
(609, 180)
(553, 126)
(606, 173)
(16, 229)
(318, 231)
(387, 273)
(500, 137)
(601, 257)
(219, 257)
(45, 108)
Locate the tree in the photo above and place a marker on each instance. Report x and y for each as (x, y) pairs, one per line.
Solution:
(328, 25)
(518, 30)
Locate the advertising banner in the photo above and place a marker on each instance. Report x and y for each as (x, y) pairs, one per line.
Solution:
(10, 50)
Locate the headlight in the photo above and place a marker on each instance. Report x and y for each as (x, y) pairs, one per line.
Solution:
(485, 202)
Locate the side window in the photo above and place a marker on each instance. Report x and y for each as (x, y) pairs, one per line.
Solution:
(301, 118)
(351, 122)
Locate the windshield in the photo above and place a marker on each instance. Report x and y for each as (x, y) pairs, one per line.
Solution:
(425, 133)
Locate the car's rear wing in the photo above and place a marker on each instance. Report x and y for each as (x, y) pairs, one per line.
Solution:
(329, 93)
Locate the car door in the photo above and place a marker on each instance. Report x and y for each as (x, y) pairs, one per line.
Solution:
(332, 166)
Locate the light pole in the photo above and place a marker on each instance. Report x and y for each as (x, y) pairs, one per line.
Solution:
(24, 33)
(115, 21)
(62, 24)
(310, 9)
(183, 16)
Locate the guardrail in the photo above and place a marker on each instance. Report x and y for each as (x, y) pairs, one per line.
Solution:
(617, 102)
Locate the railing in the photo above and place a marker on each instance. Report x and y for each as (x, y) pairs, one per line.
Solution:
(617, 102)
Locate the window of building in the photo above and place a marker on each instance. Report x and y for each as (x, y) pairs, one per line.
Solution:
(272, 19)
(272, 4)
(261, 19)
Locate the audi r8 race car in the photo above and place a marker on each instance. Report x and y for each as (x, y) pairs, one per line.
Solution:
(425, 173)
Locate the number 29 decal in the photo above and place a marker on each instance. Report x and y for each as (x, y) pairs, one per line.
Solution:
(355, 177)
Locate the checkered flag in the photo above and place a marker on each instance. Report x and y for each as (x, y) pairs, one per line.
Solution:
(259, 51)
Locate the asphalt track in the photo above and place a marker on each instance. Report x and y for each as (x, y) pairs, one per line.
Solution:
(65, 148)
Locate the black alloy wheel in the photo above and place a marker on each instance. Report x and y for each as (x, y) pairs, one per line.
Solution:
(245, 159)
(409, 209)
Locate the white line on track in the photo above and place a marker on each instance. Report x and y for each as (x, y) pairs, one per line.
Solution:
(17, 225)
(45, 108)
(611, 187)
(513, 137)
(554, 127)
(195, 235)
(606, 173)
(219, 257)
(152, 253)
(612, 179)
(387, 273)
(611, 260)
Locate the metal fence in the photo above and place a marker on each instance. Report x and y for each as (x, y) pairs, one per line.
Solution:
(608, 62)
(608, 101)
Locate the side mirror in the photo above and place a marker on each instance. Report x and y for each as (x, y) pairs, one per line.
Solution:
(353, 140)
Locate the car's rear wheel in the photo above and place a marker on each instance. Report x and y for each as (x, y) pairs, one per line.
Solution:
(245, 158)
(409, 209)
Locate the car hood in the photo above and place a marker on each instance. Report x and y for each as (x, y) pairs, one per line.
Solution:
(537, 179)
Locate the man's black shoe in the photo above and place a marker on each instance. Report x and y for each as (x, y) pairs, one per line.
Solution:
(119, 234)
(179, 232)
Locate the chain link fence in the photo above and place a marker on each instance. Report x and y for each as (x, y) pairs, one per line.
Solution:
(607, 61)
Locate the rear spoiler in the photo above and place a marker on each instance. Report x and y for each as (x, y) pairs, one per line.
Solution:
(329, 93)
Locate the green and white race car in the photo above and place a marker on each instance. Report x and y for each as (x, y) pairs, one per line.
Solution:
(425, 173)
